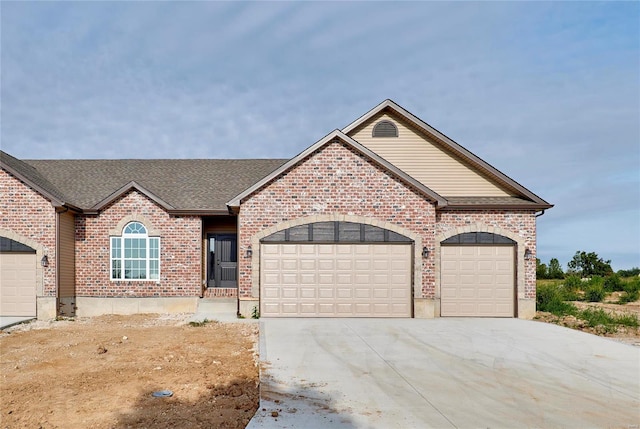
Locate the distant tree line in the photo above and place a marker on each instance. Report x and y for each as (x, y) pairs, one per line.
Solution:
(582, 265)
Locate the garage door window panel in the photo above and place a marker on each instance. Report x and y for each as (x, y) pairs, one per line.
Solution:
(336, 232)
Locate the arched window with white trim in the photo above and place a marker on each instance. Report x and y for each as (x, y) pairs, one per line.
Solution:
(135, 255)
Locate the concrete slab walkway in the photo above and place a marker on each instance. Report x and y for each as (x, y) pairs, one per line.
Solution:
(443, 373)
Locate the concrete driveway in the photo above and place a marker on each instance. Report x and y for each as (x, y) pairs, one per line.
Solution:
(443, 373)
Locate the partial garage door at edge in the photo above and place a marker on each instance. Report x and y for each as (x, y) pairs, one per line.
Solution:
(477, 276)
(336, 269)
(17, 279)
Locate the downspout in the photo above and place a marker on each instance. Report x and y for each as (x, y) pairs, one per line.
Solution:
(540, 214)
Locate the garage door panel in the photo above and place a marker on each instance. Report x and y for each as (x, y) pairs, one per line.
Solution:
(271, 264)
(344, 264)
(477, 281)
(345, 280)
(270, 307)
(344, 309)
(363, 279)
(308, 279)
(307, 264)
(361, 293)
(328, 309)
(289, 264)
(400, 279)
(326, 293)
(271, 292)
(381, 293)
(363, 264)
(289, 308)
(289, 292)
(290, 250)
(326, 279)
(308, 293)
(381, 279)
(289, 279)
(344, 293)
(308, 308)
(485, 292)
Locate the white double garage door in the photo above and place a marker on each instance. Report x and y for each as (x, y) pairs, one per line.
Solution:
(374, 280)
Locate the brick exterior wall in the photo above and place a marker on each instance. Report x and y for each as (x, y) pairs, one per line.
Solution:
(335, 179)
(520, 223)
(180, 250)
(28, 214)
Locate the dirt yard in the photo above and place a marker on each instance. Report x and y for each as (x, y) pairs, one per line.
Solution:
(101, 373)
(626, 335)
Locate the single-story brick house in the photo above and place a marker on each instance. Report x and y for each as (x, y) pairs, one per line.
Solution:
(387, 217)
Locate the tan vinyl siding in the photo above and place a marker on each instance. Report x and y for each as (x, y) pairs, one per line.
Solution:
(67, 279)
(426, 162)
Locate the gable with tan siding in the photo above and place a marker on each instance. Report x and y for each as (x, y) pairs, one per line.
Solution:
(426, 161)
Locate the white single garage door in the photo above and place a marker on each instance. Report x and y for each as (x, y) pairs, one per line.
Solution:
(477, 281)
(335, 280)
(18, 284)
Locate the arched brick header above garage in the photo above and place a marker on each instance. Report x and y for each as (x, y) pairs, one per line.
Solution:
(336, 183)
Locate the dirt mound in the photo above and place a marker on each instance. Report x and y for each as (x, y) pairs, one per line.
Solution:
(102, 372)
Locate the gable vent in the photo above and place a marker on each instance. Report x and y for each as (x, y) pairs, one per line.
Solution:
(385, 129)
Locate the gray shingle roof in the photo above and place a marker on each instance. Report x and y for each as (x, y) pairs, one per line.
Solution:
(186, 184)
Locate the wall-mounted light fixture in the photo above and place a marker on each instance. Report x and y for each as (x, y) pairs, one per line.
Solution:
(528, 254)
(249, 252)
(44, 261)
(425, 252)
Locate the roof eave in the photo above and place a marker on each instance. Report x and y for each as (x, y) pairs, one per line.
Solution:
(532, 206)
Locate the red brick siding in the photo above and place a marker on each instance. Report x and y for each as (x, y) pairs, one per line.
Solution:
(27, 213)
(180, 251)
(332, 180)
(521, 223)
(220, 292)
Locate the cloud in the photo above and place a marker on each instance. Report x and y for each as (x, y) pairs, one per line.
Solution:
(545, 92)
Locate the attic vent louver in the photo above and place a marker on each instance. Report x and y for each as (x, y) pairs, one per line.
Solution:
(385, 129)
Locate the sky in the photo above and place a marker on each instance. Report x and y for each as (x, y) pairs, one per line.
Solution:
(546, 92)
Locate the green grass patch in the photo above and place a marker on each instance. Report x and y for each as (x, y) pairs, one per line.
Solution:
(551, 298)
(597, 316)
(631, 290)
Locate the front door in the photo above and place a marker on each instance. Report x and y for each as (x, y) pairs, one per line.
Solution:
(223, 260)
